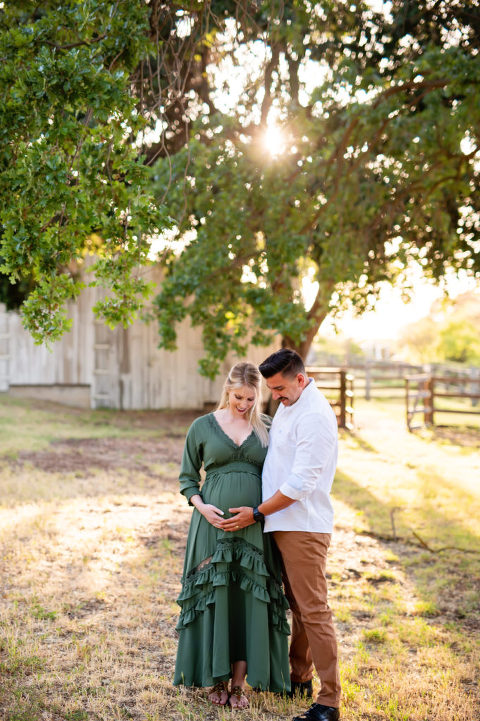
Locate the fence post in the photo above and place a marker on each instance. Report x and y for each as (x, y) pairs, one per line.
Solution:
(350, 395)
(429, 399)
(368, 380)
(407, 403)
(475, 386)
(342, 420)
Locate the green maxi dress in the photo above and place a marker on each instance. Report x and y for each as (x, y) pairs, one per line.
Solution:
(232, 602)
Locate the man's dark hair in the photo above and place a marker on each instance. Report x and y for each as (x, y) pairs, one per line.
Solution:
(284, 361)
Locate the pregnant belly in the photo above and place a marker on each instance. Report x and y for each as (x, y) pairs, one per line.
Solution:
(230, 490)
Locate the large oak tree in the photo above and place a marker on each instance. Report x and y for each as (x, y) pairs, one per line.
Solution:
(114, 110)
(380, 164)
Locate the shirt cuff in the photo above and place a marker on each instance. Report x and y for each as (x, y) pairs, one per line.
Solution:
(292, 492)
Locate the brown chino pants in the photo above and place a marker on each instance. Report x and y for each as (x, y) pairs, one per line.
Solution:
(313, 643)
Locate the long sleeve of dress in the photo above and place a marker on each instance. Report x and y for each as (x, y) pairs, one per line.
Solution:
(191, 464)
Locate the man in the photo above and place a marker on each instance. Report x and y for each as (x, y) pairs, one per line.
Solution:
(297, 479)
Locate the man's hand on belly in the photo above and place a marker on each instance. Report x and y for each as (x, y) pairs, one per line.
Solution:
(244, 514)
(243, 517)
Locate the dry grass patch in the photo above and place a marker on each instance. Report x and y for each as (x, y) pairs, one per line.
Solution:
(92, 534)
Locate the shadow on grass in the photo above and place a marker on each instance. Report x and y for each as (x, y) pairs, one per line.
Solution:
(465, 436)
(448, 581)
(360, 442)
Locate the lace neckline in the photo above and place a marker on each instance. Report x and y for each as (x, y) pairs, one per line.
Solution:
(219, 427)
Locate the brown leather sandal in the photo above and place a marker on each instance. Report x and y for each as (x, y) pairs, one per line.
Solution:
(239, 694)
(219, 688)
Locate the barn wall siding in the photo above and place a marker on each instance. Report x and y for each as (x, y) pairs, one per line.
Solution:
(122, 368)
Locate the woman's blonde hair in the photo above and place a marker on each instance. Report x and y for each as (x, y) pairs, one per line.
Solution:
(247, 374)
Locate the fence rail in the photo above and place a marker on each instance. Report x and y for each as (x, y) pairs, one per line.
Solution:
(382, 377)
(422, 387)
(341, 381)
(421, 392)
(386, 379)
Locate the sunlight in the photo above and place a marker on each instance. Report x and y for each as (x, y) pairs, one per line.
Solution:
(274, 140)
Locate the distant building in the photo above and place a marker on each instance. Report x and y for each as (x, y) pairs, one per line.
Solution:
(377, 349)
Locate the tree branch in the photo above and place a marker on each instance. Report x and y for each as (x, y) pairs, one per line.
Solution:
(267, 98)
(78, 44)
(293, 66)
(411, 85)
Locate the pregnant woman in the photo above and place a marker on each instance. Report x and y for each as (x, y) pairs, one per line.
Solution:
(232, 623)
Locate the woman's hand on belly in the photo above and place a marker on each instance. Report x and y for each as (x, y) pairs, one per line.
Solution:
(210, 512)
(241, 518)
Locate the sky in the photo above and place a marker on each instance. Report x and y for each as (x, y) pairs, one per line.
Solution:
(392, 314)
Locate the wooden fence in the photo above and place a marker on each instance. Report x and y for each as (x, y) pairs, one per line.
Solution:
(423, 390)
(338, 386)
(381, 379)
(386, 379)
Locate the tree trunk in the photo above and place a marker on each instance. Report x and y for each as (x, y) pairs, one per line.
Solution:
(316, 315)
(301, 348)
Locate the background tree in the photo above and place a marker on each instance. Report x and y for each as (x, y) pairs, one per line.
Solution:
(459, 342)
(448, 334)
(419, 340)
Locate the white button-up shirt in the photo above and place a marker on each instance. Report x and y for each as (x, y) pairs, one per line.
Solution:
(301, 461)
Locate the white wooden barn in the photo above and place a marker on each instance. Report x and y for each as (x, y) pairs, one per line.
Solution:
(95, 367)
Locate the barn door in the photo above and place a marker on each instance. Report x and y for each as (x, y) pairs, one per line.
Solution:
(105, 385)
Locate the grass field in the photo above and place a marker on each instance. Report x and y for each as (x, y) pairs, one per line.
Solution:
(92, 532)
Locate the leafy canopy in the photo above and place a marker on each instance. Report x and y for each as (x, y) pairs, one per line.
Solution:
(448, 334)
(69, 163)
(379, 168)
